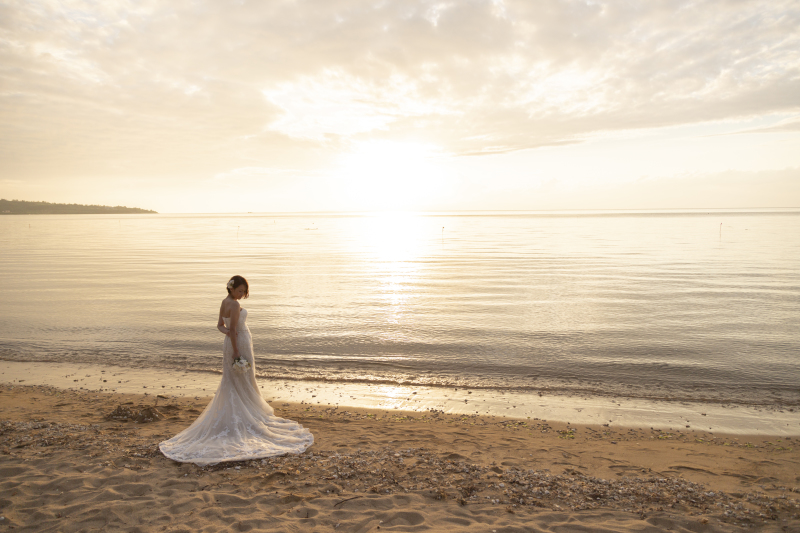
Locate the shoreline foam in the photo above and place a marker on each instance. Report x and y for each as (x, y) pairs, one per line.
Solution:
(622, 412)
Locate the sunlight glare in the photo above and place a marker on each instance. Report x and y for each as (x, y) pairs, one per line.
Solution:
(391, 176)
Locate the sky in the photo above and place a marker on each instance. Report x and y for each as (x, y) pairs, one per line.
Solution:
(355, 105)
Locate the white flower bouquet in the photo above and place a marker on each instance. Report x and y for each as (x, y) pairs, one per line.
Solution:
(241, 364)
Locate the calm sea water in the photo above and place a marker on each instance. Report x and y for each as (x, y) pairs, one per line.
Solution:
(685, 305)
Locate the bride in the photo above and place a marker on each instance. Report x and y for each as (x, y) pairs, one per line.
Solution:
(238, 424)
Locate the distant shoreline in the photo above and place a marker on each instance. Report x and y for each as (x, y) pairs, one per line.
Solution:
(20, 207)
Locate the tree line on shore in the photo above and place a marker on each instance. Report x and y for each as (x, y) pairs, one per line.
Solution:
(21, 207)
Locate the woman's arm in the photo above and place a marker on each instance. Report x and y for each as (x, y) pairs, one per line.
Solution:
(221, 323)
(232, 332)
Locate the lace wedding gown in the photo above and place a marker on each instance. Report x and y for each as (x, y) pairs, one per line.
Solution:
(238, 424)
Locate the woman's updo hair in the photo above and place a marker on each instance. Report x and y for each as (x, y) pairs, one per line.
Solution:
(237, 281)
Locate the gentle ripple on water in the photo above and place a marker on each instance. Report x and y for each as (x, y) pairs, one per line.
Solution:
(651, 304)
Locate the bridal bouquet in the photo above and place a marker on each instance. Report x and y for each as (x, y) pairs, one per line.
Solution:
(241, 364)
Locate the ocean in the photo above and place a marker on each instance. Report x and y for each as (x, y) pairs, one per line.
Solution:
(680, 305)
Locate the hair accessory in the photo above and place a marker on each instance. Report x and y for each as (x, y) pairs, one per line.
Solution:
(230, 283)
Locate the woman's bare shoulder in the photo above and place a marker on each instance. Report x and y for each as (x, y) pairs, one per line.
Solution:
(228, 307)
(224, 309)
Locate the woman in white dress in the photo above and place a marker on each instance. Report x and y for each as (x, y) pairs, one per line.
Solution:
(238, 424)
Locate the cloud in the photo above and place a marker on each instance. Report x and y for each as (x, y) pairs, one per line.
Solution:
(338, 104)
(715, 190)
(772, 188)
(257, 173)
(201, 87)
(787, 125)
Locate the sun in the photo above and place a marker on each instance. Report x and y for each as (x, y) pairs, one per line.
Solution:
(392, 176)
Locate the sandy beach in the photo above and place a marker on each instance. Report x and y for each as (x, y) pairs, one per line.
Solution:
(88, 461)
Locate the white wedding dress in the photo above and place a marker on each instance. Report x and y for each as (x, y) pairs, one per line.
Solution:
(238, 424)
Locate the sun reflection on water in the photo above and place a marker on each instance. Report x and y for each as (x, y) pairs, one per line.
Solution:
(393, 396)
(394, 236)
(393, 243)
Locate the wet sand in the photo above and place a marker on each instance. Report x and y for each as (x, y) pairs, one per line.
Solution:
(732, 418)
(65, 465)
